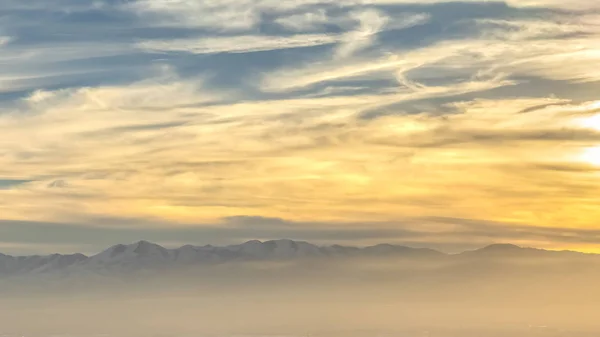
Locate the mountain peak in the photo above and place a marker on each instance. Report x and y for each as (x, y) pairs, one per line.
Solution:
(501, 247)
(141, 250)
(252, 242)
(142, 247)
(386, 248)
(283, 243)
(282, 248)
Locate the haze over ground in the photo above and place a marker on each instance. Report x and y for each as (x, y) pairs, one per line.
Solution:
(293, 288)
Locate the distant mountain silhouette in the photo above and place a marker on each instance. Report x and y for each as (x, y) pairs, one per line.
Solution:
(144, 255)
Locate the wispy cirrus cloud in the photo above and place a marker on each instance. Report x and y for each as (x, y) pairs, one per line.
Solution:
(239, 44)
(159, 162)
(322, 113)
(220, 15)
(307, 21)
(370, 22)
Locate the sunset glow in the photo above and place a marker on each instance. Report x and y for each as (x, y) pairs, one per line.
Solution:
(592, 155)
(324, 116)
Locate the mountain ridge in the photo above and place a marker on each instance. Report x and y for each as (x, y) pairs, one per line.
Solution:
(380, 246)
(147, 255)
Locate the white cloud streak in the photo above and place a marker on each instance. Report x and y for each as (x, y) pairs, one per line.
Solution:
(309, 21)
(370, 22)
(238, 44)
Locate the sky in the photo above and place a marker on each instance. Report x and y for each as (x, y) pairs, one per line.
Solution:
(428, 123)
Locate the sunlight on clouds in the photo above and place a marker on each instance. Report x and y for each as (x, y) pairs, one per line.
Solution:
(400, 165)
(574, 5)
(353, 111)
(592, 122)
(591, 155)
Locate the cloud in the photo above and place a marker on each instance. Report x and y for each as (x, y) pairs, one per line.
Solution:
(4, 40)
(446, 234)
(398, 64)
(25, 67)
(186, 171)
(221, 15)
(502, 49)
(353, 112)
(308, 21)
(575, 5)
(370, 23)
(58, 184)
(238, 44)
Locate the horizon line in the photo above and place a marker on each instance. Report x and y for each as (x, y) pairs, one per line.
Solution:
(484, 247)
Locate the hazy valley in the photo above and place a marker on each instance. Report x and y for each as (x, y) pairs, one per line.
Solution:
(285, 287)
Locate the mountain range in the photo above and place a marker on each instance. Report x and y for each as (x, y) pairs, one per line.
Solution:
(145, 255)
